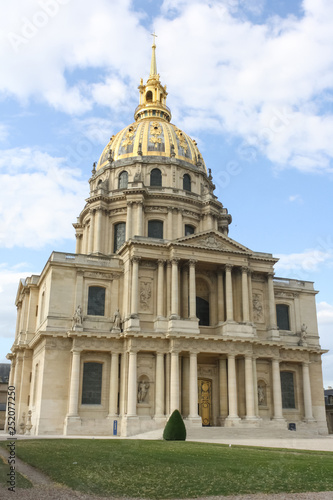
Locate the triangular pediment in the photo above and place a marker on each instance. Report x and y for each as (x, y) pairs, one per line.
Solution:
(213, 240)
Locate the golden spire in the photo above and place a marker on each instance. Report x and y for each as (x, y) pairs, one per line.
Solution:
(153, 66)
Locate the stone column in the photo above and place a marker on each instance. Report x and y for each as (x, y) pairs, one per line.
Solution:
(129, 220)
(139, 231)
(180, 223)
(74, 385)
(170, 228)
(174, 290)
(168, 288)
(99, 233)
(255, 387)
(114, 382)
(232, 388)
(192, 292)
(193, 385)
(91, 232)
(245, 295)
(78, 245)
(277, 395)
(249, 394)
(272, 308)
(160, 289)
(159, 386)
(220, 297)
(228, 293)
(174, 381)
(223, 388)
(185, 291)
(132, 385)
(307, 392)
(135, 287)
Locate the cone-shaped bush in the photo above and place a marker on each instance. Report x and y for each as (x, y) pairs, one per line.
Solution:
(175, 428)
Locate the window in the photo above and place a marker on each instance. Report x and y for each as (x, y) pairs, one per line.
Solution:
(189, 229)
(149, 96)
(123, 180)
(92, 383)
(282, 316)
(96, 301)
(155, 229)
(202, 311)
(287, 389)
(187, 182)
(119, 235)
(156, 177)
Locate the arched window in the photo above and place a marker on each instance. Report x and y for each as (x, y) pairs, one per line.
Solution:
(288, 389)
(155, 229)
(119, 235)
(202, 301)
(96, 301)
(92, 383)
(156, 177)
(282, 316)
(202, 311)
(189, 229)
(187, 182)
(149, 96)
(123, 180)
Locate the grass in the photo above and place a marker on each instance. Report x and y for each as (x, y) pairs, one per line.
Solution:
(21, 481)
(176, 469)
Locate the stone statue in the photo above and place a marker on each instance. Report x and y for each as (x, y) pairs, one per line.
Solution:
(303, 335)
(137, 177)
(261, 395)
(116, 321)
(143, 391)
(77, 318)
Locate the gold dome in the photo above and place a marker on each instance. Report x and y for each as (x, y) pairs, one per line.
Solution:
(152, 137)
(152, 134)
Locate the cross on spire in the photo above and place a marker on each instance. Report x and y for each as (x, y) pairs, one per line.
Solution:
(154, 35)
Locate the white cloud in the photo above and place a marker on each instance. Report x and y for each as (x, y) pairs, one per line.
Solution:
(40, 198)
(325, 325)
(9, 281)
(267, 83)
(309, 260)
(295, 198)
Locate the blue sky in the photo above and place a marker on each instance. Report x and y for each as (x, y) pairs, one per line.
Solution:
(251, 81)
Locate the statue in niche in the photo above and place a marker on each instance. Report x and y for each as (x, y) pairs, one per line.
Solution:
(116, 321)
(261, 395)
(303, 335)
(143, 389)
(257, 308)
(77, 318)
(137, 177)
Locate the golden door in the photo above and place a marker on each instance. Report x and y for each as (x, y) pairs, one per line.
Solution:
(205, 400)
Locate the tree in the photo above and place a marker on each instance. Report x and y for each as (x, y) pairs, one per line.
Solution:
(175, 428)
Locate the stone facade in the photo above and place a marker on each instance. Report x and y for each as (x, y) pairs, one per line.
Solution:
(159, 308)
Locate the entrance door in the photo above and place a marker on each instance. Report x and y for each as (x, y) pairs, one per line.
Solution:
(205, 400)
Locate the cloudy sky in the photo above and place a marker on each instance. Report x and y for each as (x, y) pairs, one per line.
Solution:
(250, 80)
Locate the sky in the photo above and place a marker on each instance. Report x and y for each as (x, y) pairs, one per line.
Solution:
(250, 80)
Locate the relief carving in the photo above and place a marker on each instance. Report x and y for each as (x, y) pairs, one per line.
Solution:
(145, 295)
(258, 310)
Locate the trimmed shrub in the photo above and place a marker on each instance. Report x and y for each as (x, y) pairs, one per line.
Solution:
(175, 428)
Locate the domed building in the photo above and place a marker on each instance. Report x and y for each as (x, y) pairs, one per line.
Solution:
(159, 309)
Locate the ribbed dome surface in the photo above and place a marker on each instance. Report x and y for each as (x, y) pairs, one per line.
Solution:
(152, 137)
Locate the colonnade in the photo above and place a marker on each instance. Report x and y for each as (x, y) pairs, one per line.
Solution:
(184, 300)
(167, 395)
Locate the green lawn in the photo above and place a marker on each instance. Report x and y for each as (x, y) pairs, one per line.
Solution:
(21, 481)
(176, 469)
